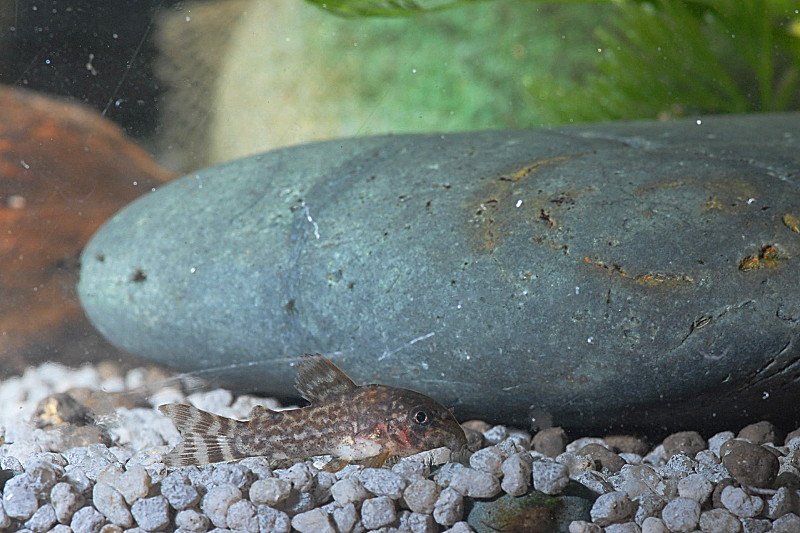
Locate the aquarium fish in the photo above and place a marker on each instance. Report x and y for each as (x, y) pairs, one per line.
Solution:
(364, 424)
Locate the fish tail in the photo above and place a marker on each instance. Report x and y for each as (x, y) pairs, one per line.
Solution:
(205, 437)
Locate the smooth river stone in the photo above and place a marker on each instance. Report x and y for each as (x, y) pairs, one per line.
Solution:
(639, 275)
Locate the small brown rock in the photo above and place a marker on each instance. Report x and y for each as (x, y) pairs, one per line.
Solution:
(791, 435)
(751, 464)
(627, 444)
(760, 433)
(550, 442)
(603, 457)
(687, 442)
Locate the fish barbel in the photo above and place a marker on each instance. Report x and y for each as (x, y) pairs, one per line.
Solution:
(364, 424)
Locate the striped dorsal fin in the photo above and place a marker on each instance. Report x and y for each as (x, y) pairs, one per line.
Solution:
(318, 379)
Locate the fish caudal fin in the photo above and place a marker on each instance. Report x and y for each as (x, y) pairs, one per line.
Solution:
(205, 437)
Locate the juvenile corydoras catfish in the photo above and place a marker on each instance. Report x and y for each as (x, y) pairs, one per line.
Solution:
(366, 424)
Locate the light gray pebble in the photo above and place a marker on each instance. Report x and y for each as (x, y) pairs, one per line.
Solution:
(242, 516)
(449, 507)
(43, 519)
(134, 484)
(516, 471)
(87, 520)
(43, 476)
(66, 500)
(594, 481)
(61, 528)
(216, 502)
(679, 465)
(152, 514)
(19, 497)
(345, 518)
(111, 503)
(198, 477)
(230, 474)
(377, 512)
(259, 466)
(76, 476)
(625, 527)
(5, 520)
(650, 505)
(695, 487)
(412, 469)
(788, 523)
(740, 503)
(417, 523)
(446, 473)
(549, 477)
(269, 491)
(652, 524)
(112, 528)
(716, 442)
(495, 434)
(273, 520)
(178, 491)
(460, 527)
(610, 508)
(348, 471)
(719, 521)
(421, 495)
(298, 502)
(756, 525)
(349, 490)
(313, 521)
(575, 446)
(383, 482)
(779, 504)
(92, 459)
(581, 526)
(300, 475)
(631, 458)
(10, 462)
(191, 520)
(475, 484)
(488, 460)
(681, 515)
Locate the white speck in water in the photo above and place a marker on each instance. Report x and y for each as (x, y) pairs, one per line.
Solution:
(188, 18)
(577, 289)
(750, 201)
(590, 340)
(413, 71)
(458, 306)
(519, 203)
(288, 39)
(25, 165)
(193, 270)
(699, 122)
(525, 292)
(135, 183)
(765, 395)
(424, 365)
(115, 36)
(46, 61)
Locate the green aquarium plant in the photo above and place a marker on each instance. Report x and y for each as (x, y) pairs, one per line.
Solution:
(660, 58)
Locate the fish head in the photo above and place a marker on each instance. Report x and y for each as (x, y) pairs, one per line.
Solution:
(408, 422)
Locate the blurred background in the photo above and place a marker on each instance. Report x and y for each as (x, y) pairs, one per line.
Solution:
(104, 101)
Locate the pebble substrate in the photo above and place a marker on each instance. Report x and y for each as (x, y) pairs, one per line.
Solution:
(731, 483)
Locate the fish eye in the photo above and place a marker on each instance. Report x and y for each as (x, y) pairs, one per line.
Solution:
(420, 416)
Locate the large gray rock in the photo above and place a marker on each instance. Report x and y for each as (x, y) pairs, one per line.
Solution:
(639, 274)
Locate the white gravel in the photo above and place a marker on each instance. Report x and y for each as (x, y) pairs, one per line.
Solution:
(56, 486)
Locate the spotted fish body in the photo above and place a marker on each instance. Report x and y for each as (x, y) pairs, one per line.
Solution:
(366, 424)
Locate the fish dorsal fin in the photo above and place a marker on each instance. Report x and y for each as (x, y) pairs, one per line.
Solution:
(318, 379)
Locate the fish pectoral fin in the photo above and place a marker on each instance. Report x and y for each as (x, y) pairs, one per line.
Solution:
(334, 465)
(376, 461)
(205, 437)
